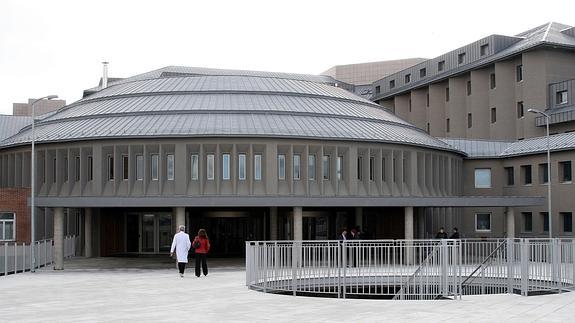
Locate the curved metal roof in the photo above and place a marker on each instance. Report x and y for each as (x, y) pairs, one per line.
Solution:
(256, 104)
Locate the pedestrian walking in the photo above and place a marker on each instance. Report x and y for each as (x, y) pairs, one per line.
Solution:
(201, 245)
(181, 245)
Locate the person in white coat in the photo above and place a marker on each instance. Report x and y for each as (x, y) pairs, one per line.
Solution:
(181, 245)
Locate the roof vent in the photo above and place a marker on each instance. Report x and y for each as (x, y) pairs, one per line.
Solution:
(105, 75)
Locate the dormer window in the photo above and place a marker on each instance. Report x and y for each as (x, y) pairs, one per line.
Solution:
(391, 84)
(407, 78)
(483, 49)
(440, 66)
(460, 58)
(422, 72)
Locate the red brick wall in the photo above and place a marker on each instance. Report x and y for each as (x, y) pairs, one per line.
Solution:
(15, 200)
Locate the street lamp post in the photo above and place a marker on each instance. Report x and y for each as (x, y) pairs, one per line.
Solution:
(33, 186)
(548, 171)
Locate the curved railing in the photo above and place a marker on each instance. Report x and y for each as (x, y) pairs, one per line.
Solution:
(410, 269)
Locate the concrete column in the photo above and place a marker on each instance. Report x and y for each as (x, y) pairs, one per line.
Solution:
(358, 217)
(180, 218)
(510, 222)
(408, 218)
(297, 223)
(273, 223)
(88, 232)
(58, 254)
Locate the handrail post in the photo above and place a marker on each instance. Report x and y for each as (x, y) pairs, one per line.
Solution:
(510, 266)
(344, 264)
(444, 258)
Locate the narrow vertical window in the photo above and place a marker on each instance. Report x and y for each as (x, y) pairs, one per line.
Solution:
(311, 167)
(66, 169)
(378, 89)
(520, 110)
(440, 66)
(258, 167)
(565, 172)
(242, 167)
(407, 78)
(446, 94)
(461, 58)
(125, 167)
(54, 170)
(110, 167)
(90, 168)
(281, 167)
(483, 49)
(519, 70)
(469, 120)
(371, 168)
(509, 176)
(359, 168)
(493, 115)
(447, 125)
(154, 167)
(225, 167)
(195, 167)
(210, 167)
(296, 167)
(140, 167)
(543, 174)
(492, 81)
(392, 84)
(427, 99)
(383, 178)
(339, 168)
(326, 170)
(422, 72)
(468, 87)
(170, 167)
(527, 221)
(77, 168)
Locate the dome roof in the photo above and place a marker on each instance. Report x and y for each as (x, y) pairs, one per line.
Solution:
(199, 102)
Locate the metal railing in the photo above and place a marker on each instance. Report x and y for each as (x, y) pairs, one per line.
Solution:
(17, 257)
(411, 269)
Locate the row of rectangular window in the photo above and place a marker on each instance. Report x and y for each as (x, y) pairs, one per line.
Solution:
(77, 169)
(564, 169)
(566, 219)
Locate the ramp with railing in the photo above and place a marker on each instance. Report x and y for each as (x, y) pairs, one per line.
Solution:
(415, 269)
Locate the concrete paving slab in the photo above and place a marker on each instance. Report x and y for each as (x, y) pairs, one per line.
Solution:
(122, 290)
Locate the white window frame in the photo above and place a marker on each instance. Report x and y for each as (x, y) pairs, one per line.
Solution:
(242, 169)
(476, 177)
(296, 167)
(339, 168)
(311, 167)
(155, 158)
(170, 167)
(281, 167)
(258, 167)
(210, 167)
(195, 167)
(476, 223)
(139, 167)
(3, 227)
(226, 169)
(325, 163)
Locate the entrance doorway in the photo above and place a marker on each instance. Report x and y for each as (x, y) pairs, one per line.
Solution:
(148, 233)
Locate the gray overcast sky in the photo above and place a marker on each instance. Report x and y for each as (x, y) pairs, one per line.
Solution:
(55, 47)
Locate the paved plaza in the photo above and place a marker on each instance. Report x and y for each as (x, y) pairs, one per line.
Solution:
(149, 289)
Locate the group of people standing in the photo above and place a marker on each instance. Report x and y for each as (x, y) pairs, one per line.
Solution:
(441, 234)
(181, 246)
(353, 234)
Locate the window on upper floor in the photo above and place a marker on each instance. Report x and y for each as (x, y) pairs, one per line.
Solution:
(527, 221)
(407, 78)
(110, 167)
(195, 167)
(509, 176)
(543, 174)
(440, 66)
(483, 178)
(296, 167)
(493, 115)
(422, 72)
(427, 99)
(359, 168)
(565, 172)
(226, 167)
(77, 168)
(54, 170)
(311, 167)
(378, 89)
(139, 167)
(492, 83)
(526, 175)
(383, 177)
(391, 84)
(90, 168)
(461, 58)
(7, 226)
(567, 218)
(520, 110)
(339, 168)
(447, 94)
(66, 169)
(428, 127)
(409, 104)
(281, 167)
(170, 167)
(258, 167)
(561, 97)
(125, 167)
(242, 167)
(468, 87)
(371, 168)
(545, 219)
(326, 170)
(210, 165)
(154, 167)
(469, 120)
(519, 73)
(447, 125)
(483, 49)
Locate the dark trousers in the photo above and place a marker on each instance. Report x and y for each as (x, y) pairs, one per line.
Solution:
(201, 258)
(181, 267)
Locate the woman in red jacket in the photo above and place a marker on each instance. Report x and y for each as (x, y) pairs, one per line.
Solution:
(201, 245)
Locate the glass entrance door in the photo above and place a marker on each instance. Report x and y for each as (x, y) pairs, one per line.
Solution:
(156, 233)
